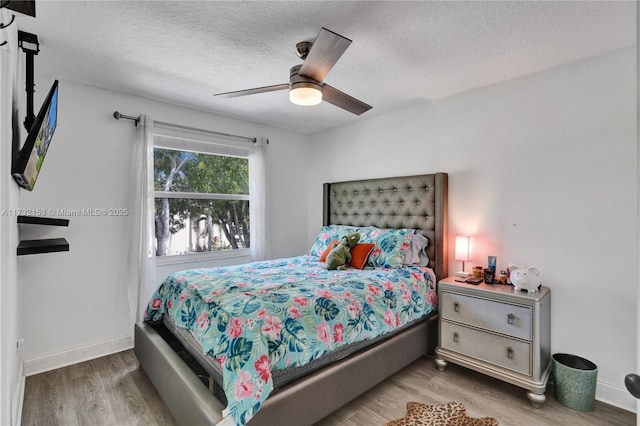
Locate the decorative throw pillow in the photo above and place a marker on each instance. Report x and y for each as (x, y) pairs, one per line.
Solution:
(325, 253)
(327, 234)
(360, 253)
(391, 245)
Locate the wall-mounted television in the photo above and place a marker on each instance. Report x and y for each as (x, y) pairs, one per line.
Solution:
(28, 7)
(27, 165)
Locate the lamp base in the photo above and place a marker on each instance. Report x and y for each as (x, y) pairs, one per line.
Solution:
(463, 274)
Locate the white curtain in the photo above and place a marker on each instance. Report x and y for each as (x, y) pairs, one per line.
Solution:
(258, 203)
(142, 282)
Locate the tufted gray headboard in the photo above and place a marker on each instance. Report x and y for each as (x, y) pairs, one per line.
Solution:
(418, 202)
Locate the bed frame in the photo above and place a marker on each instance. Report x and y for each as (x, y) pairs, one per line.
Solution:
(418, 202)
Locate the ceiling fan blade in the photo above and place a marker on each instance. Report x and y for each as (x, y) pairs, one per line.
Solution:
(342, 100)
(253, 91)
(325, 52)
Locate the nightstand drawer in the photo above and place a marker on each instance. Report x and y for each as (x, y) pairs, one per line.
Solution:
(501, 317)
(499, 350)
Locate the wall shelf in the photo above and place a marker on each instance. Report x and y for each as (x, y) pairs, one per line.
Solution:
(44, 245)
(37, 220)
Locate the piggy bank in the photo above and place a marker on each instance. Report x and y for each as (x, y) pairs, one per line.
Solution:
(525, 277)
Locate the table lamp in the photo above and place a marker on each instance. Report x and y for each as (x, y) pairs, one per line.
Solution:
(463, 253)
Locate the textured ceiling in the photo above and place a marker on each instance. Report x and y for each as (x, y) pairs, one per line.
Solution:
(402, 52)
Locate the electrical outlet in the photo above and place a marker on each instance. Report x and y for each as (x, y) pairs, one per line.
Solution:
(19, 345)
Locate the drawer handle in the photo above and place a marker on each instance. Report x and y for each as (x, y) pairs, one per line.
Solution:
(456, 337)
(511, 319)
(510, 352)
(456, 307)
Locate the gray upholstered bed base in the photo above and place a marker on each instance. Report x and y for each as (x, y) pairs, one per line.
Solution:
(303, 402)
(405, 202)
(188, 399)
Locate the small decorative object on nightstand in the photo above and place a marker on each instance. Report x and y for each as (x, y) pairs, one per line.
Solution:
(525, 277)
(498, 331)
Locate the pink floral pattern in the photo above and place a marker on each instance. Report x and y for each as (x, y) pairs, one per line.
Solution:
(243, 387)
(262, 367)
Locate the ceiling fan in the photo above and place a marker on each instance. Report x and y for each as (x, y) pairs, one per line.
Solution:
(306, 81)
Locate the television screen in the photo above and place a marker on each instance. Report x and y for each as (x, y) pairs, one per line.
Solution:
(27, 166)
(28, 7)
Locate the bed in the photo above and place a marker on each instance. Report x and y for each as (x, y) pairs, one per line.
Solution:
(175, 362)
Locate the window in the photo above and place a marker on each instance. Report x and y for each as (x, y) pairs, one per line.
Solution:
(201, 200)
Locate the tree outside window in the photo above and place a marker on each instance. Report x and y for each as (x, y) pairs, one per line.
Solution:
(201, 202)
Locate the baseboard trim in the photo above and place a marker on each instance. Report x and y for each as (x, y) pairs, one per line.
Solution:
(18, 398)
(85, 353)
(616, 396)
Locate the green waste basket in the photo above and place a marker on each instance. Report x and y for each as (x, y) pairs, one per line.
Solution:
(575, 380)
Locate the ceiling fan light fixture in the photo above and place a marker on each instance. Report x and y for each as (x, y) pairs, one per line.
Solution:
(306, 81)
(305, 94)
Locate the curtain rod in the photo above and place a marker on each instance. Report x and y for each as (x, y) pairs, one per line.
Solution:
(118, 116)
(210, 132)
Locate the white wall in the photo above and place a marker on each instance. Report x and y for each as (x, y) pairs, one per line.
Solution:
(75, 305)
(11, 378)
(637, 370)
(543, 171)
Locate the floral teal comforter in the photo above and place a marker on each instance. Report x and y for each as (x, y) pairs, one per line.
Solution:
(263, 316)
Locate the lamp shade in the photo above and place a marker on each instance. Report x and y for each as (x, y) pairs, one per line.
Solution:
(305, 94)
(463, 248)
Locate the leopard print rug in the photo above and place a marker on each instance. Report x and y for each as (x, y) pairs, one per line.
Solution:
(451, 414)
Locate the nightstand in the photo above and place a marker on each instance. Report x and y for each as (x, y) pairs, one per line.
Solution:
(493, 329)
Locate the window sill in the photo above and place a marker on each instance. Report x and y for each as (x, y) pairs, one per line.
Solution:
(202, 257)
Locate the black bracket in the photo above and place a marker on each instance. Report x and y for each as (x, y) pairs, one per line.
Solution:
(29, 44)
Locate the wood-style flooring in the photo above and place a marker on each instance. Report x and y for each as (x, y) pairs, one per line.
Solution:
(112, 391)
